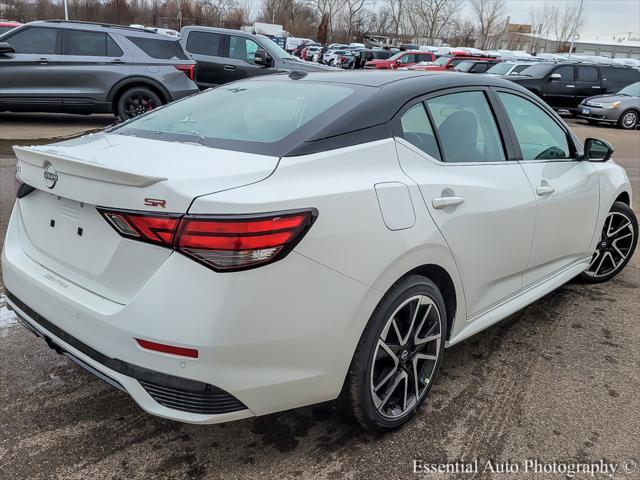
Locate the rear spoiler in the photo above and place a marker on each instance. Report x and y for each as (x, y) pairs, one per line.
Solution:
(39, 157)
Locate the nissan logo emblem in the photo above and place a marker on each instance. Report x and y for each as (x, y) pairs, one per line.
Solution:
(50, 175)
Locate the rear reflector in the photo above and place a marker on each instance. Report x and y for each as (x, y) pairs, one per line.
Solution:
(172, 349)
(223, 243)
(189, 70)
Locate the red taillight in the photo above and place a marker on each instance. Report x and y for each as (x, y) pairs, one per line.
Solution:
(231, 243)
(226, 242)
(172, 349)
(189, 70)
(157, 229)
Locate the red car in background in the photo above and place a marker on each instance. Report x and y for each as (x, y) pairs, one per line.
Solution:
(5, 26)
(402, 59)
(448, 62)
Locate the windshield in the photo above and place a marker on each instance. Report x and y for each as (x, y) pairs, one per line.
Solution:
(539, 70)
(249, 111)
(500, 68)
(4, 29)
(275, 50)
(631, 90)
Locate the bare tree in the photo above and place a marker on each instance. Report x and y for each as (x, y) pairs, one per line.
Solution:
(327, 10)
(396, 12)
(490, 20)
(429, 18)
(542, 19)
(353, 15)
(461, 33)
(564, 22)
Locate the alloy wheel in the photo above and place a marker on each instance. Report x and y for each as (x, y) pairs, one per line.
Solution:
(137, 105)
(406, 357)
(629, 120)
(614, 246)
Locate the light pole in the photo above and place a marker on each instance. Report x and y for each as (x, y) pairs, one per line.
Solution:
(66, 11)
(575, 29)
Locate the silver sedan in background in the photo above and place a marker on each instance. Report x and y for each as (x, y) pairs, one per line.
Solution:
(622, 108)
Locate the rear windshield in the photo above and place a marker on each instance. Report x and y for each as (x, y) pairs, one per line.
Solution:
(245, 116)
(160, 48)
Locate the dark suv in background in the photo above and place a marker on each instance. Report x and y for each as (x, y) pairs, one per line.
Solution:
(76, 67)
(564, 85)
(225, 55)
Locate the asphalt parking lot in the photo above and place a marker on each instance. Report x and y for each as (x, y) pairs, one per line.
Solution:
(557, 381)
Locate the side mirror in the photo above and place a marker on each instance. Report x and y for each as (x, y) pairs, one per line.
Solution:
(6, 48)
(596, 150)
(555, 76)
(261, 57)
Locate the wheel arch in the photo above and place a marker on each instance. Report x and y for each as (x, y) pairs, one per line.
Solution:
(435, 262)
(444, 282)
(624, 197)
(137, 81)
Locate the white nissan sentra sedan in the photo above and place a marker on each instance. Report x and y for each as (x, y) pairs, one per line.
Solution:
(293, 239)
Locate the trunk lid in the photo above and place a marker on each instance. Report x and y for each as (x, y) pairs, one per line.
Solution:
(61, 229)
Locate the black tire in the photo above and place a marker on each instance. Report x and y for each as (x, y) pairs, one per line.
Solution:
(604, 269)
(629, 120)
(136, 101)
(356, 400)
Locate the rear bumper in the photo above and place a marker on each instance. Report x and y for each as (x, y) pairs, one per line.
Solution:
(273, 338)
(160, 394)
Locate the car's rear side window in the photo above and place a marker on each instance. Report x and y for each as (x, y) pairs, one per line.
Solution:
(587, 74)
(86, 43)
(620, 75)
(416, 129)
(160, 48)
(253, 111)
(43, 41)
(466, 127)
(204, 43)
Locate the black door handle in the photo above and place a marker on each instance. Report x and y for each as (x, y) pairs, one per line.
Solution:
(230, 67)
(43, 61)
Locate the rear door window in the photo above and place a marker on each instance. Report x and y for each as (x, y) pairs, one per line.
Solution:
(43, 41)
(466, 128)
(587, 74)
(160, 48)
(205, 43)
(85, 43)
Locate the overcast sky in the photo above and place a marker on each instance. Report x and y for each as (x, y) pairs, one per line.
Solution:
(603, 17)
